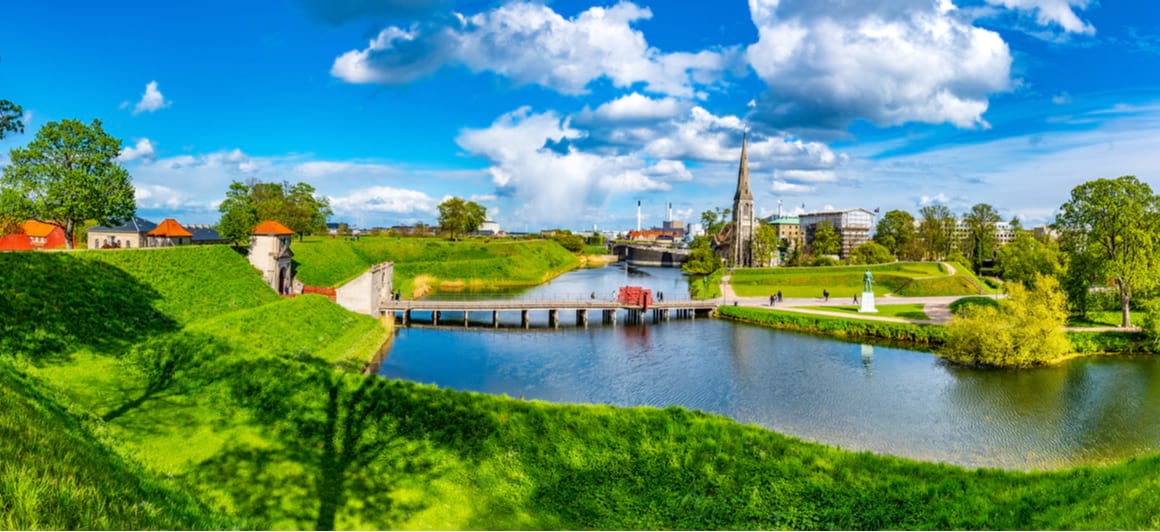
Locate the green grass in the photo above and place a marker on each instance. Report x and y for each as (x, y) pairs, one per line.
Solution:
(1104, 318)
(56, 475)
(910, 311)
(261, 428)
(959, 306)
(595, 250)
(706, 286)
(423, 264)
(901, 278)
(929, 335)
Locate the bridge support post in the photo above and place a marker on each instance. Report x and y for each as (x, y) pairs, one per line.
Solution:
(582, 317)
(554, 318)
(495, 318)
(406, 317)
(465, 313)
(524, 318)
(434, 317)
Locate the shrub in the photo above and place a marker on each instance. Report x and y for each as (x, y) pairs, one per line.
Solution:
(822, 260)
(1025, 329)
(961, 306)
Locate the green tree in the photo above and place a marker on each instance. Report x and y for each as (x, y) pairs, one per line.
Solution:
(1026, 257)
(827, 241)
(239, 214)
(68, 174)
(457, 216)
(702, 260)
(715, 220)
(934, 231)
(1025, 329)
(765, 244)
(295, 206)
(871, 253)
(896, 232)
(11, 116)
(980, 242)
(1113, 226)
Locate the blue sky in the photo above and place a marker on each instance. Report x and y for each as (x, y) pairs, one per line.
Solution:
(566, 113)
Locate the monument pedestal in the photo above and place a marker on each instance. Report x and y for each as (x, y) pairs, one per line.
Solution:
(867, 303)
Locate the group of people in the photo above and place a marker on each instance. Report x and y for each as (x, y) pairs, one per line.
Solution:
(774, 298)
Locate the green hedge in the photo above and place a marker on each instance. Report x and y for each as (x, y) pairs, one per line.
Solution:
(931, 335)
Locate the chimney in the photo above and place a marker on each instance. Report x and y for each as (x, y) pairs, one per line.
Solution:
(670, 211)
(638, 215)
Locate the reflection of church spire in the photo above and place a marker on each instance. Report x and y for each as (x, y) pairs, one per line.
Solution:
(743, 222)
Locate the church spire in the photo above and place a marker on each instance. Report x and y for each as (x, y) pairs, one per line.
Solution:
(743, 174)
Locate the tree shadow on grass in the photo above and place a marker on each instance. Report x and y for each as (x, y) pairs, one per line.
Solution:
(337, 449)
(53, 303)
(167, 368)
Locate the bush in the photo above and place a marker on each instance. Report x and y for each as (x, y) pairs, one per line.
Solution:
(1026, 329)
(822, 261)
(961, 306)
(871, 253)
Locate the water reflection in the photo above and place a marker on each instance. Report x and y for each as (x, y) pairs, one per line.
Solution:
(856, 396)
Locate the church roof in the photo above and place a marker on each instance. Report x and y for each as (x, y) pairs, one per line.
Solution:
(170, 228)
(271, 227)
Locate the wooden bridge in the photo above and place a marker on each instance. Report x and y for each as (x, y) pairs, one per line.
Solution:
(661, 310)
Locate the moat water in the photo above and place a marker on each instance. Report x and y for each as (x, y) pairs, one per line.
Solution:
(851, 395)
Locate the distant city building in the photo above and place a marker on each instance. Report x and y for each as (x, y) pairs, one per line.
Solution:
(1004, 233)
(1045, 232)
(694, 230)
(852, 225)
(788, 228)
(489, 228)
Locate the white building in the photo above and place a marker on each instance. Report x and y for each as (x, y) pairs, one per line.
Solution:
(852, 225)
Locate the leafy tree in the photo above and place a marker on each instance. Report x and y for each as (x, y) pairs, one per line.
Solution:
(896, 232)
(1025, 329)
(715, 220)
(1026, 257)
(980, 242)
(1113, 226)
(1150, 325)
(571, 242)
(827, 241)
(68, 174)
(239, 214)
(457, 216)
(796, 257)
(871, 253)
(935, 228)
(295, 206)
(765, 244)
(701, 260)
(10, 118)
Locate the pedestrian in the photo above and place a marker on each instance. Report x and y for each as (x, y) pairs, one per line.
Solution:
(826, 295)
(779, 296)
(855, 299)
(772, 299)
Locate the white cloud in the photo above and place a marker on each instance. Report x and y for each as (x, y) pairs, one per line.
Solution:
(790, 189)
(805, 176)
(670, 170)
(382, 199)
(827, 63)
(151, 101)
(1049, 12)
(553, 186)
(1061, 98)
(637, 107)
(940, 199)
(531, 44)
(142, 150)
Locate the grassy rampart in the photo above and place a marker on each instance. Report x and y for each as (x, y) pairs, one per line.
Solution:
(901, 278)
(245, 412)
(930, 335)
(424, 264)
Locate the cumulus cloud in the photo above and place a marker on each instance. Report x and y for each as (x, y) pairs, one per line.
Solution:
(937, 199)
(828, 63)
(636, 107)
(531, 44)
(142, 150)
(151, 101)
(383, 199)
(790, 189)
(1052, 13)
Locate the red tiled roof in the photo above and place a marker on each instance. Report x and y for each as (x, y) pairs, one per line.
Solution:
(35, 228)
(270, 227)
(169, 227)
(15, 242)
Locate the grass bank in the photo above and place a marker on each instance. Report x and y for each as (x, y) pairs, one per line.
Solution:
(910, 279)
(253, 413)
(927, 335)
(910, 311)
(427, 264)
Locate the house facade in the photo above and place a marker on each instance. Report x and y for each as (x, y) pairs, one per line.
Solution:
(270, 254)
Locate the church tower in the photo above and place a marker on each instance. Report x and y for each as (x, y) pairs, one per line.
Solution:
(741, 248)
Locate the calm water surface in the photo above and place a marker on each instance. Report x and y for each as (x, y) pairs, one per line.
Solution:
(855, 396)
